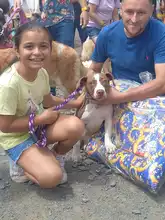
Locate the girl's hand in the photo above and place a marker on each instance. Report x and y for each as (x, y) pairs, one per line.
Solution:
(76, 103)
(80, 100)
(49, 116)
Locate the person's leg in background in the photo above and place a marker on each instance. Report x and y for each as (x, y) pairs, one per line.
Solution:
(41, 5)
(63, 32)
(93, 33)
(82, 31)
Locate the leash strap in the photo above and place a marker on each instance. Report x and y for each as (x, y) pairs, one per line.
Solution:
(22, 15)
(39, 135)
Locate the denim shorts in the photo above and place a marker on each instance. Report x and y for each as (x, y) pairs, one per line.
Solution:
(92, 32)
(15, 152)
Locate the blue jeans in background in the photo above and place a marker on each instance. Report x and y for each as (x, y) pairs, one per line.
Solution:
(63, 32)
(92, 32)
(82, 31)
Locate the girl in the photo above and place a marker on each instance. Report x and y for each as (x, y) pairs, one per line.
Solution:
(24, 88)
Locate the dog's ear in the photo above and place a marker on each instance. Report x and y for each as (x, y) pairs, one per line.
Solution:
(82, 82)
(110, 77)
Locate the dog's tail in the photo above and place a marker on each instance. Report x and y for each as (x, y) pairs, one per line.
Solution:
(87, 50)
(83, 70)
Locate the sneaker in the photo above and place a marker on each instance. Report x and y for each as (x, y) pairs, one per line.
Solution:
(17, 173)
(61, 160)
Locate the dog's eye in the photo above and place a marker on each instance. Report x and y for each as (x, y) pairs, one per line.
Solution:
(94, 82)
(104, 82)
(90, 83)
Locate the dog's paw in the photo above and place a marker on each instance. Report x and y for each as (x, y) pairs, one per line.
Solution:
(73, 156)
(76, 158)
(68, 156)
(110, 148)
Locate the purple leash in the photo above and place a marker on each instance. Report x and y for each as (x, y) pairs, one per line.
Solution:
(39, 134)
(22, 15)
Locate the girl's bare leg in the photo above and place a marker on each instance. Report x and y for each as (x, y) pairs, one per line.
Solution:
(40, 164)
(66, 131)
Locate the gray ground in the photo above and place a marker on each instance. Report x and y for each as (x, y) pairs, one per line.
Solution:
(92, 192)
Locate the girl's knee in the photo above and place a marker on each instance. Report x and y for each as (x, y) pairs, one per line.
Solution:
(76, 126)
(50, 178)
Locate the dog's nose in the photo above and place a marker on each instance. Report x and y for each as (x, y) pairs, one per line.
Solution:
(100, 92)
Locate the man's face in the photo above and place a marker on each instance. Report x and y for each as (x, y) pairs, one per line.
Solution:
(135, 15)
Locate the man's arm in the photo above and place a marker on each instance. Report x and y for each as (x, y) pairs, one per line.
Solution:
(151, 89)
(96, 67)
(51, 101)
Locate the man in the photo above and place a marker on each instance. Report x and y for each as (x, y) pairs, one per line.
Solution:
(134, 44)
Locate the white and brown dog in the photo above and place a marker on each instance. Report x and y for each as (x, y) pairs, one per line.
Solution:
(87, 50)
(94, 114)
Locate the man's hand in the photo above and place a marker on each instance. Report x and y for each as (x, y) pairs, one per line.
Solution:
(76, 103)
(80, 100)
(84, 19)
(113, 97)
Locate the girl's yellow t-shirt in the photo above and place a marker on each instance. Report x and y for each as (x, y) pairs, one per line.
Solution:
(19, 97)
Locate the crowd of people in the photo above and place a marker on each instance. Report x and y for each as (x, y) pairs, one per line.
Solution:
(62, 18)
(134, 44)
(65, 16)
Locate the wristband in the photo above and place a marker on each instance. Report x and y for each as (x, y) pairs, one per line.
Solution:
(102, 23)
(85, 9)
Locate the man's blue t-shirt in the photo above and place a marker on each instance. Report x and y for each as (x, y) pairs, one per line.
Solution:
(131, 56)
